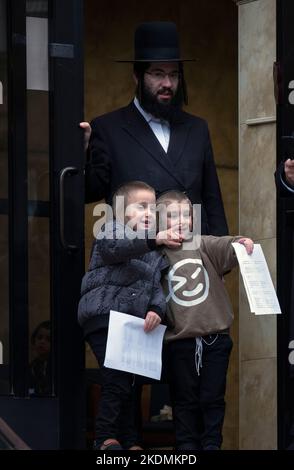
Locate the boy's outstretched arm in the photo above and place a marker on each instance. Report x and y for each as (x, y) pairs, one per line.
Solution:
(116, 247)
(117, 244)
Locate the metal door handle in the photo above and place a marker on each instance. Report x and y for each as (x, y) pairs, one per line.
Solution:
(70, 170)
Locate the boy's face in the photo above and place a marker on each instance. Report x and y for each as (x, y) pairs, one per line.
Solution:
(140, 209)
(178, 214)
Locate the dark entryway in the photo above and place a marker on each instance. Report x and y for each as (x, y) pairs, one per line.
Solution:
(42, 220)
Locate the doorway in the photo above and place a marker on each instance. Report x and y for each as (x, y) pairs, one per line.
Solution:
(209, 33)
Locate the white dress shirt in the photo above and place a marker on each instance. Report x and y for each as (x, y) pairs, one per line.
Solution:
(160, 127)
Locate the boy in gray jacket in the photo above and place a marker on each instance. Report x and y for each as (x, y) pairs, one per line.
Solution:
(124, 275)
(199, 315)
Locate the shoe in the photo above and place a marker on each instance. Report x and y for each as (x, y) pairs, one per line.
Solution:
(109, 444)
(135, 447)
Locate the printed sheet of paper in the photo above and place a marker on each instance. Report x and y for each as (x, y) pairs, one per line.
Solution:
(130, 349)
(258, 284)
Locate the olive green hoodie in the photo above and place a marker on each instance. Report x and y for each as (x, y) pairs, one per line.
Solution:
(197, 300)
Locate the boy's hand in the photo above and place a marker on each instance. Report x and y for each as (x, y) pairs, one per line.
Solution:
(87, 133)
(152, 320)
(248, 243)
(169, 237)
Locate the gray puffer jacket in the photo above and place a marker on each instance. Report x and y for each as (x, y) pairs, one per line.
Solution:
(124, 275)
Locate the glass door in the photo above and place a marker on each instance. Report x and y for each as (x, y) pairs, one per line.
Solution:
(4, 259)
(285, 227)
(41, 211)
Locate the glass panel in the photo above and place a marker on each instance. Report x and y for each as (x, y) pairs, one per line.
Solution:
(4, 306)
(37, 101)
(288, 404)
(4, 266)
(39, 306)
(38, 195)
(3, 103)
(38, 145)
(37, 8)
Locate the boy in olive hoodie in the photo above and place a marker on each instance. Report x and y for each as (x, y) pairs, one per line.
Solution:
(199, 315)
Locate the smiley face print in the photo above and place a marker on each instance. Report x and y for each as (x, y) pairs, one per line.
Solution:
(188, 282)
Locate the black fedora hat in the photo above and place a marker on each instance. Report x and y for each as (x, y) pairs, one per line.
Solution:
(157, 41)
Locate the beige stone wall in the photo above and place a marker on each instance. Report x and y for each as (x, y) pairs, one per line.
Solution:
(257, 334)
(208, 31)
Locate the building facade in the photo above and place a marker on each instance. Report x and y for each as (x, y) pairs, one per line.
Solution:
(57, 69)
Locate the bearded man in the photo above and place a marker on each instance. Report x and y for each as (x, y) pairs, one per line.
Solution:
(153, 139)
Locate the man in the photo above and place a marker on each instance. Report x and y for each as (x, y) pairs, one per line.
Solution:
(152, 139)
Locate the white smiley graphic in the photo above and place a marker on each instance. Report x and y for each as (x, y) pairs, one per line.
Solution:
(181, 281)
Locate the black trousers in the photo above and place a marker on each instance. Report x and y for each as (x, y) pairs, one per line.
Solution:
(116, 412)
(198, 400)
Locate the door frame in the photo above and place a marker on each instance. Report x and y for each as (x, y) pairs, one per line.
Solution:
(56, 421)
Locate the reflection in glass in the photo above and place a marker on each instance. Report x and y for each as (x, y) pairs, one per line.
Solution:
(4, 306)
(39, 297)
(40, 366)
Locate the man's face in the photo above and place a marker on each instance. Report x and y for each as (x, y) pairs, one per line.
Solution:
(161, 80)
(160, 93)
(140, 210)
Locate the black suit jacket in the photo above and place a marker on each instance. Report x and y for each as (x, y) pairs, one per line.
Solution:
(124, 148)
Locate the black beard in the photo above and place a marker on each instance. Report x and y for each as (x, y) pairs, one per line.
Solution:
(160, 110)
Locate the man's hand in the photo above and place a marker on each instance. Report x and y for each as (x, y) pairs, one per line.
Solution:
(248, 243)
(169, 237)
(87, 133)
(289, 171)
(152, 320)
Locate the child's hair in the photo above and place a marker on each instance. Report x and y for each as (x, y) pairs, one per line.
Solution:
(174, 195)
(45, 325)
(125, 189)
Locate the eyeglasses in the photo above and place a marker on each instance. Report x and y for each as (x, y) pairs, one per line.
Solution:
(159, 75)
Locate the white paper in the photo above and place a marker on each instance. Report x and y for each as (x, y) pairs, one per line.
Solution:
(258, 284)
(130, 349)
